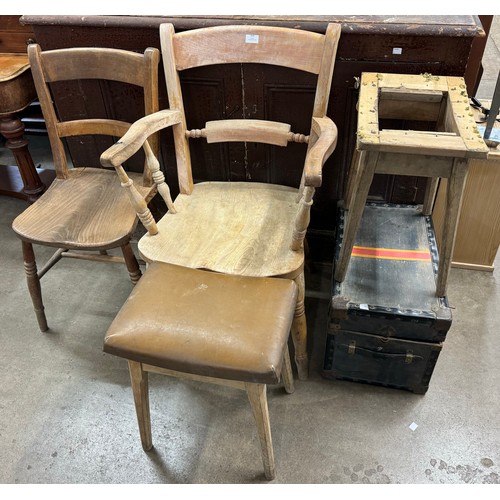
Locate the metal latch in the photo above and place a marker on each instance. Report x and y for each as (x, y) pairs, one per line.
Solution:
(409, 357)
(352, 347)
(386, 332)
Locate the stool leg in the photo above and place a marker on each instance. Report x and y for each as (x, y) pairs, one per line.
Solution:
(34, 284)
(430, 195)
(258, 400)
(352, 179)
(454, 192)
(140, 389)
(299, 331)
(364, 177)
(286, 372)
(133, 268)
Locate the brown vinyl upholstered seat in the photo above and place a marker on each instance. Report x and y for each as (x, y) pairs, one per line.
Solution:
(196, 324)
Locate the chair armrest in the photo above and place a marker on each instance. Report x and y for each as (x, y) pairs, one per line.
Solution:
(325, 132)
(137, 135)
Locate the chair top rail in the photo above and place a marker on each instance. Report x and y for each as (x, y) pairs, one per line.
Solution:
(96, 63)
(249, 44)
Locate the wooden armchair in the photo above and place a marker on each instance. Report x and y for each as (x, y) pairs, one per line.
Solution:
(238, 228)
(85, 208)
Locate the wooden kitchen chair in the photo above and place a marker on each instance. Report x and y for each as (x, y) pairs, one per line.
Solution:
(85, 208)
(241, 228)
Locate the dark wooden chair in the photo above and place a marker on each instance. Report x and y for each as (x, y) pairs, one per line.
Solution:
(85, 209)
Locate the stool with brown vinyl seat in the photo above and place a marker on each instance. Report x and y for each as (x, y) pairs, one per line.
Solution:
(210, 327)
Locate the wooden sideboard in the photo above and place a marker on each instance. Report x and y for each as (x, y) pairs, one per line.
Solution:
(440, 45)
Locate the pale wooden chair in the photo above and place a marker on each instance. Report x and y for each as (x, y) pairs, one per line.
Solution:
(85, 208)
(207, 327)
(243, 228)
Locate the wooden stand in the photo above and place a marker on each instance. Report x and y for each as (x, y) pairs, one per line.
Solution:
(17, 91)
(442, 149)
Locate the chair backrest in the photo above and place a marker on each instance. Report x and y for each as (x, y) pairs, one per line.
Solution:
(92, 63)
(306, 51)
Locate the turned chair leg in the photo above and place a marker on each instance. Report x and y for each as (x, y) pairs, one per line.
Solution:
(258, 401)
(133, 268)
(140, 389)
(299, 331)
(34, 287)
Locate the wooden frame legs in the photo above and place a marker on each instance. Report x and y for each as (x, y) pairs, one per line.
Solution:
(258, 401)
(133, 268)
(454, 195)
(33, 276)
(140, 389)
(358, 193)
(430, 195)
(286, 372)
(256, 395)
(359, 185)
(34, 287)
(299, 330)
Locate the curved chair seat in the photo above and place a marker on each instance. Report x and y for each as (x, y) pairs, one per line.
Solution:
(229, 227)
(97, 212)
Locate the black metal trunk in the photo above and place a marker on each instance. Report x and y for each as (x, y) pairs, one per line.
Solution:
(386, 325)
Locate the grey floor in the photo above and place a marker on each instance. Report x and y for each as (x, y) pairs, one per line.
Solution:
(67, 414)
(491, 61)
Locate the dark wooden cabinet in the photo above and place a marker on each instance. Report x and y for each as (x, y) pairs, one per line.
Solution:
(440, 45)
(13, 36)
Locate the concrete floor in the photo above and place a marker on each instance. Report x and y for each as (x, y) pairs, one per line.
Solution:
(67, 414)
(491, 62)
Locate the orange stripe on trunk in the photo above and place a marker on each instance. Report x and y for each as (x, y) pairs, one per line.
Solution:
(391, 253)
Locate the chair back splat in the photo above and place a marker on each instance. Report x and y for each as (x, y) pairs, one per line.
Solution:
(301, 50)
(96, 64)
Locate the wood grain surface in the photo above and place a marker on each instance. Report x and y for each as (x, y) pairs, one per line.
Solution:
(220, 226)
